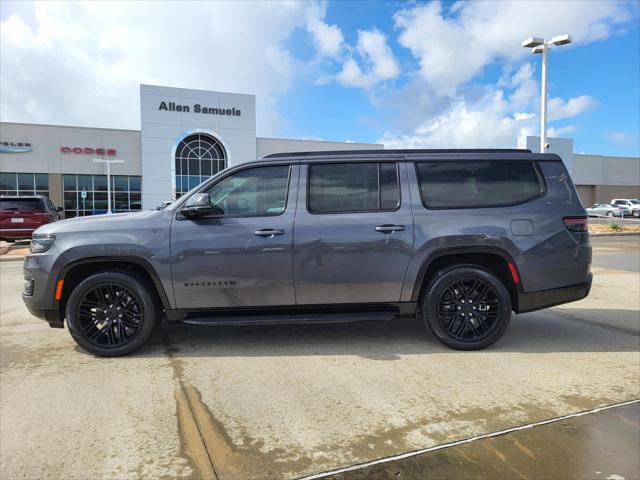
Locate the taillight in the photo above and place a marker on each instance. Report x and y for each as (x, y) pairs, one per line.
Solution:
(576, 224)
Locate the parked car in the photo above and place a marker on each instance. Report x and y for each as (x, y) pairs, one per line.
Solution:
(607, 210)
(456, 238)
(633, 204)
(21, 216)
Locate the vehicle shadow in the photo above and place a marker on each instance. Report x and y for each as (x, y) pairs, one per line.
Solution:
(566, 330)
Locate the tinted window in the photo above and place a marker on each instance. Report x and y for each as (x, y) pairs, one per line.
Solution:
(20, 204)
(353, 187)
(476, 184)
(253, 192)
(8, 181)
(42, 181)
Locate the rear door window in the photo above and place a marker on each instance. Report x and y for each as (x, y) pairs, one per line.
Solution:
(20, 204)
(477, 184)
(353, 187)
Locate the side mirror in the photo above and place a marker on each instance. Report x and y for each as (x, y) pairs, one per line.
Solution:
(198, 205)
(59, 209)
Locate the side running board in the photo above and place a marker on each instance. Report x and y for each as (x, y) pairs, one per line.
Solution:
(291, 318)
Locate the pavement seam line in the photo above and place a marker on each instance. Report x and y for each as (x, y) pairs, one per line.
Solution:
(414, 453)
(193, 415)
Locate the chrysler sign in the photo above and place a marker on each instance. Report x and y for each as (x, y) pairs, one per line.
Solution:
(15, 147)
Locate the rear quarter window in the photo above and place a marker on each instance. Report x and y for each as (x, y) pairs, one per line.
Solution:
(477, 184)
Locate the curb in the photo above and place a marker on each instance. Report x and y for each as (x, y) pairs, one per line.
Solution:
(614, 234)
(12, 258)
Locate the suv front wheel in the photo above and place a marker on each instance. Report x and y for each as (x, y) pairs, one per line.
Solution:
(111, 313)
(466, 307)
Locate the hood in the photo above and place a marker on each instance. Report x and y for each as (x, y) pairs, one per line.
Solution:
(104, 222)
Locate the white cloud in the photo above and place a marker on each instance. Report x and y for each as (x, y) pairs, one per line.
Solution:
(618, 137)
(327, 39)
(494, 117)
(559, 108)
(484, 123)
(81, 63)
(452, 46)
(380, 62)
(561, 131)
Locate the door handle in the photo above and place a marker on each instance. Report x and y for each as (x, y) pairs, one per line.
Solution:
(389, 228)
(268, 232)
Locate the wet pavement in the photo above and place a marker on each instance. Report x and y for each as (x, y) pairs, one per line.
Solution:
(604, 445)
(285, 402)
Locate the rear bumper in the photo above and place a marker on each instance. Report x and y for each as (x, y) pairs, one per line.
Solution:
(16, 233)
(530, 301)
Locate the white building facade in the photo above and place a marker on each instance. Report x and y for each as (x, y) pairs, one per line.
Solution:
(185, 137)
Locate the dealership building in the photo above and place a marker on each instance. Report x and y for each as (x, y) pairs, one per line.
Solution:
(188, 135)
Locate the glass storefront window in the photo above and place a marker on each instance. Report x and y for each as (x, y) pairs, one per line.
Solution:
(135, 184)
(85, 182)
(100, 183)
(198, 157)
(121, 183)
(8, 181)
(42, 181)
(125, 194)
(69, 182)
(24, 184)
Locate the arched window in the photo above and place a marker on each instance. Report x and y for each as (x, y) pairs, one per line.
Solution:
(198, 157)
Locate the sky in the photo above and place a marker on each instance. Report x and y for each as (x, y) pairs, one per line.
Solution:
(430, 74)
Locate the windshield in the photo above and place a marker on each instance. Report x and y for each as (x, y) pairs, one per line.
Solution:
(28, 204)
(635, 202)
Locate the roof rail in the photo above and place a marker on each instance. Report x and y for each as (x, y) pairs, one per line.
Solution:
(399, 151)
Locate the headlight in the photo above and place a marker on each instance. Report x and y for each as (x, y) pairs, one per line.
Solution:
(41, 243)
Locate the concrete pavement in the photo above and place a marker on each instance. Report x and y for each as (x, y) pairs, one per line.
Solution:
(283, 402)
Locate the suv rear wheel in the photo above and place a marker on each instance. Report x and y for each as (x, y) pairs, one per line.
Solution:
(111, 313)
(466, 307)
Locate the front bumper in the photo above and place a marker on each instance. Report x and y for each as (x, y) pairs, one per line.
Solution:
(530, 301)
(40, 274)
(50, 315)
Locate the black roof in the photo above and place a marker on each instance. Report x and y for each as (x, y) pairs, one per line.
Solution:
(395, 152)
(414, 155)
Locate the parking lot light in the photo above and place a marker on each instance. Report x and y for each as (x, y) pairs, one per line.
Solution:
(108, 162)
(540, 45)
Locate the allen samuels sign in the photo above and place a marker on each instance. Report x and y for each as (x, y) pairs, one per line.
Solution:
(197, 108)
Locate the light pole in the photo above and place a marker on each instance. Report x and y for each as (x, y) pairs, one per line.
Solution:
(540, 45)
(108, 162)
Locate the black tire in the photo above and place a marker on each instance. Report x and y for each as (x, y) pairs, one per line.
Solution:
(450, 315)
(118, 328)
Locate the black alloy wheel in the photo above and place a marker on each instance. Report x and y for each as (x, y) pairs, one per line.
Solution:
(112, 313)
(466, 307)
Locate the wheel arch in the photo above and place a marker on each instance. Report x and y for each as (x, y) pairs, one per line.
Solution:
(74, 272)
(494, 259)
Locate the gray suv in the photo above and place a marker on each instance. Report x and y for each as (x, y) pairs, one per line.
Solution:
(456, 238)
